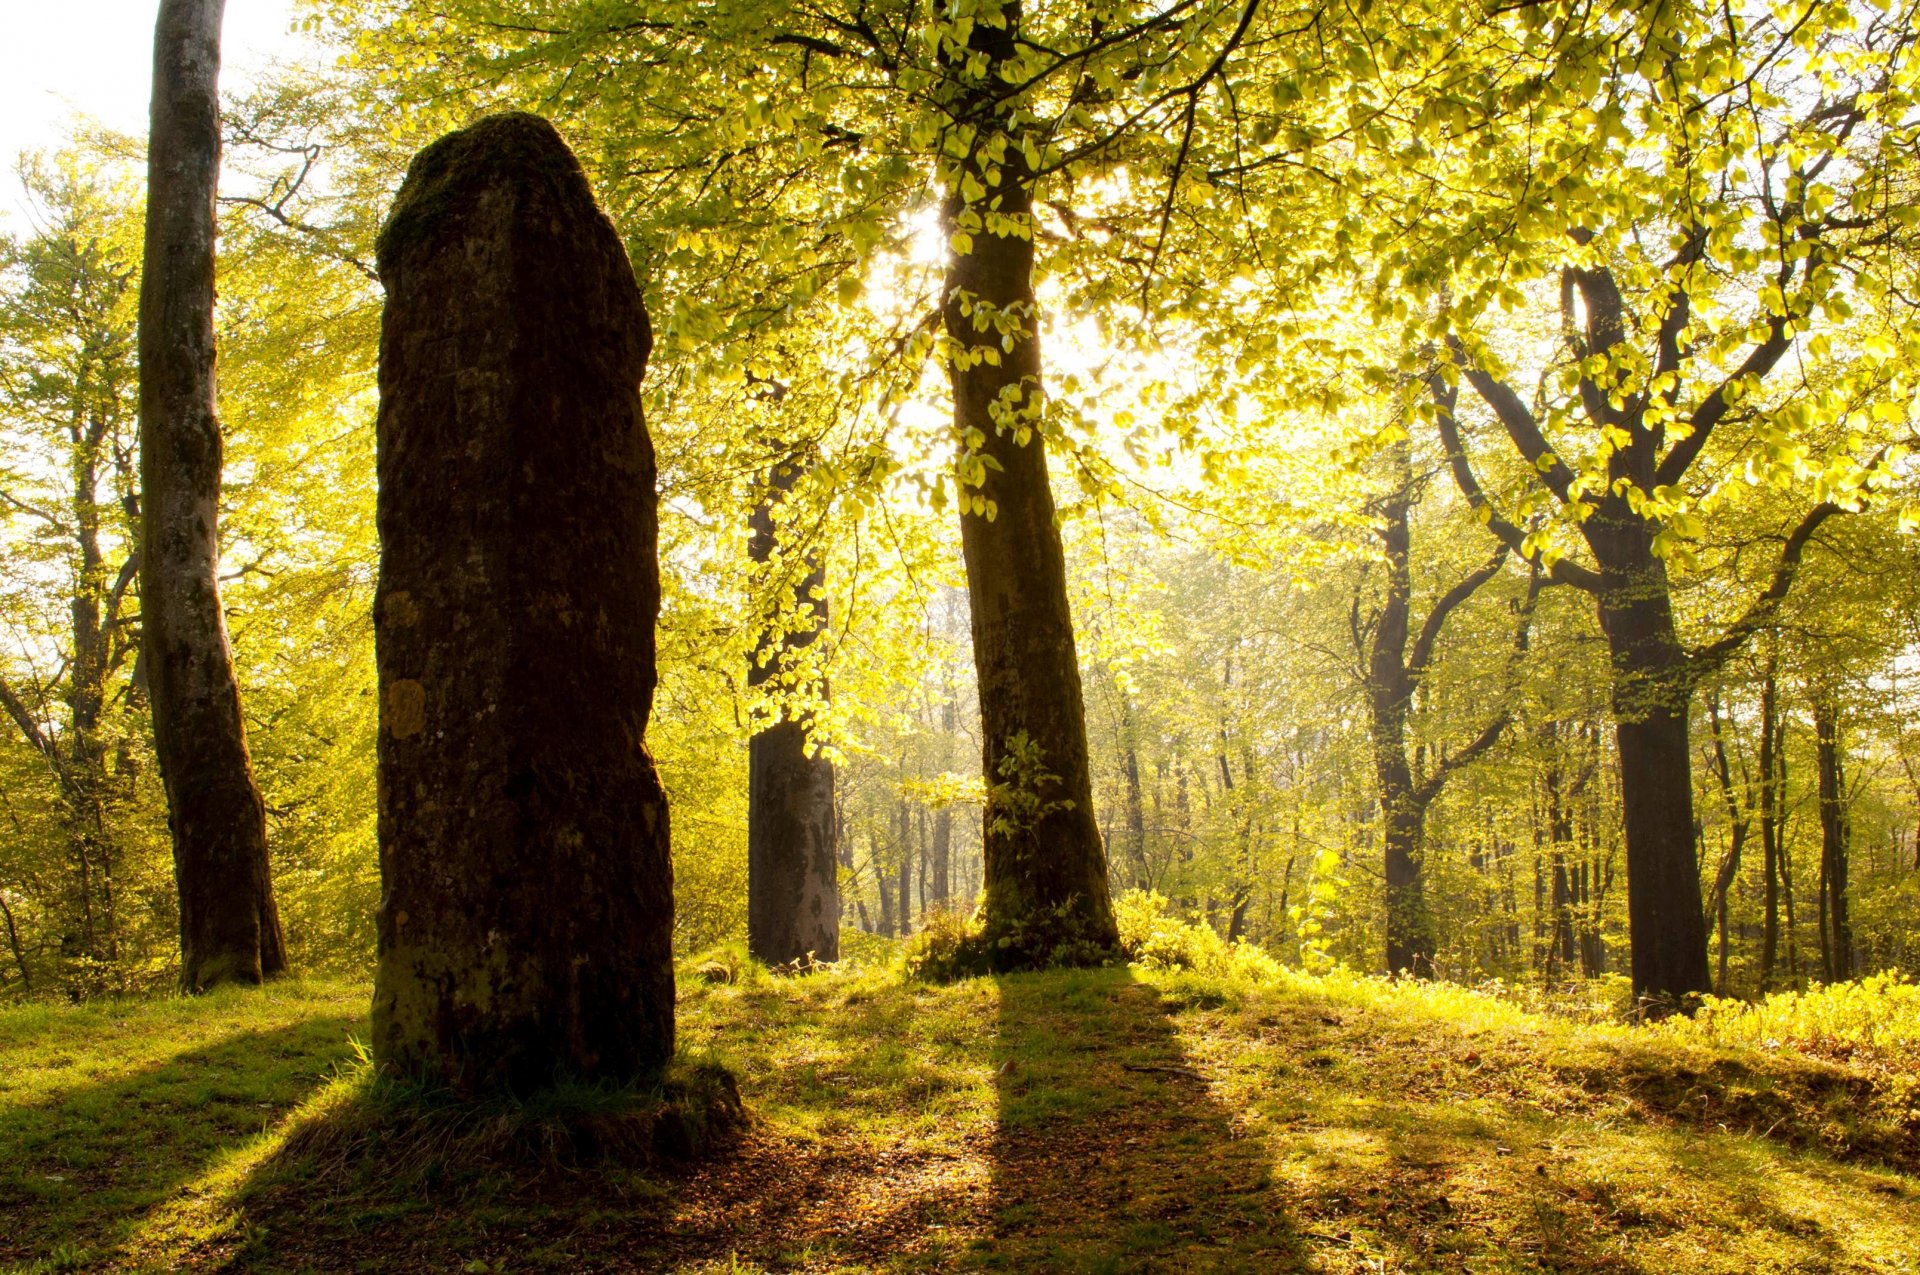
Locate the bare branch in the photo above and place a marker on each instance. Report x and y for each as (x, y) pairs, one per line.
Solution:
(1709, 660)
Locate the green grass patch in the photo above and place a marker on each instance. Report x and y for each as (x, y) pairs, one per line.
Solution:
(1073, 1120)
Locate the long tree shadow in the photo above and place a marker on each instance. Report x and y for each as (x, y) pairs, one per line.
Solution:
(1111, 1151)
(833, 1170)
(84, 1167)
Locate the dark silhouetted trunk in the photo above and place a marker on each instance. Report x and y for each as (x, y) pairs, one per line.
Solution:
(1666, 924)
(1739, 819)
(229, 925)
(1392, 673)
(1772, 797)
(793, 883)
(13, 946)
(1836, 927)
(940, 853)
(526, 921)
(1410, 940)
(1045, 875)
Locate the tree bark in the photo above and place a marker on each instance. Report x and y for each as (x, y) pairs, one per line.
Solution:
(1836, 924)
(527, 910)
(229, 924)
(1652, 698)
(941, 854)
(1045, 876)
(1772, 796)
(793, 883)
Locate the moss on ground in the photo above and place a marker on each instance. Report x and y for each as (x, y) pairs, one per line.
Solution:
(1093, 1120)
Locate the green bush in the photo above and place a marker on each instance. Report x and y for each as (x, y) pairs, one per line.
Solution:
(1154, 938)
(953, 947)
(1874, 1020)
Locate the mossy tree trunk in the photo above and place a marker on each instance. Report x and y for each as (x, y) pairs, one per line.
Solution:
(527, 906)
(1044, 890)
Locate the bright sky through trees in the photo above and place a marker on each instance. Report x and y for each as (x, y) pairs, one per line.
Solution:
(91, 59)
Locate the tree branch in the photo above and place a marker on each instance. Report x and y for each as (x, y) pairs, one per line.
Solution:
(1452, 598)
(1709, 660)
(1444, 398)
(1518, 422)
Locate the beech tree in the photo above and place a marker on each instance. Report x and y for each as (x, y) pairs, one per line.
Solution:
(1681, 292)
(229, 923)
(67, 362)
(793, 884)
(1392, 671)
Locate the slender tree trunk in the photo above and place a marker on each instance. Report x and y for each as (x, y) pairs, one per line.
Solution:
(1561, 952)
(1135, 811)
(793, 883)
(1738, 821)
(1833, 839)
(941, 853)
(1772, 794)
(1045, 876)
(1786, 895)
(229, 924)
(13, 945)
(906, 870)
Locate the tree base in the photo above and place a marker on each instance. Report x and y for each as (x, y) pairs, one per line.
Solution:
(400, 1131)
(952, 947)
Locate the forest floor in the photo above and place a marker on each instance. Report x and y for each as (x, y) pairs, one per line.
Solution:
(1113, 1120)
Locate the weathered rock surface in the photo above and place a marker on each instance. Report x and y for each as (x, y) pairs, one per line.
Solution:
(527, 898)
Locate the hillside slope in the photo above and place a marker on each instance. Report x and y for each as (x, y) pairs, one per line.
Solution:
(1113, 1120)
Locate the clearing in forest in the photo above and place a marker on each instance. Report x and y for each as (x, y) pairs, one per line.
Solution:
(1108, 1120)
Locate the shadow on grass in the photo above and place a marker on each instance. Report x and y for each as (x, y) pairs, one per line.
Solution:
(1111, 1152)
(82, 1169)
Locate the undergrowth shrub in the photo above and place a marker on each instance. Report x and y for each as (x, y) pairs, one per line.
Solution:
(1154, 938)
(1874, 1020)
(952, 946)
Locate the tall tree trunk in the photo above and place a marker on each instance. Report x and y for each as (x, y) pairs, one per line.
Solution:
(1833, 837)
(1410, 942)
(941, 853)
(526, 917)
(1045, 877)
(793, 883)
(1772, 797)
(882, 878)
(905, 840)
(1652, 698)
(229, 924)
(1136, 810)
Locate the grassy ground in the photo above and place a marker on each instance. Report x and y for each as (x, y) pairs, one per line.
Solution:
(1098, 1121)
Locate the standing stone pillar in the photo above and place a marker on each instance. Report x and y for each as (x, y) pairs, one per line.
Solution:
(527, 891)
